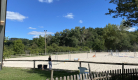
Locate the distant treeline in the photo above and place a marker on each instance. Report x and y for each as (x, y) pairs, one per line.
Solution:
(111, 37)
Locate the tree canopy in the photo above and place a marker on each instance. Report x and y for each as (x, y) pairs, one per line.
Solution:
(112, 36)
(126, 9)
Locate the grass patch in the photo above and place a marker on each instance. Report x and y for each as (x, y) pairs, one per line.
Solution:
(8, 73)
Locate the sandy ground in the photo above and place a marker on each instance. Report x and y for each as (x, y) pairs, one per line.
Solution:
(100, 57)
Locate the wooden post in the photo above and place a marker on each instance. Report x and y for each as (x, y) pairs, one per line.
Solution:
(60, 78)
(71, 77)
(45, 41)
(34, 64)
(78, 77)
(51, 74)
(64, 77)
(80, 64)
(68, 55)
(68, 78)
(56, 78)
(95, 53)
(90, 72)
(110, 73)
(134, 53)
(133, 73)
(122, 71)
(116, 52)
(86, 75)
(57, 56)
(111, 53)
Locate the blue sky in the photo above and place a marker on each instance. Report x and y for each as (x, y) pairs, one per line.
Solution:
(29, 18)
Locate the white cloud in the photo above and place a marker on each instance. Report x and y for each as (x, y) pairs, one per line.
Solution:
(39, 33)
(69, 15)
(41, 26)
(36, 33)
(47, 1)
(15, 16)
(132, 29)
(81, 21)
(31, 28)
(35, 36)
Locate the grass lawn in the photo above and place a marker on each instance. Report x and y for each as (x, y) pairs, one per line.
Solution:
(8, 73)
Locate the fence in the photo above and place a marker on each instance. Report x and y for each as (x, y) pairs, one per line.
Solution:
(97, 75)
(134, 64)
(72, 52)
(43, 54)
(82, 77)
(124, 53)
(129, 74)
(76, 77)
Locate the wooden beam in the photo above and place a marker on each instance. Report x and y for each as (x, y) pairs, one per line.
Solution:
(110, 63)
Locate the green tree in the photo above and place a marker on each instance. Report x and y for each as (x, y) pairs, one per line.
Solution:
(25, 41)
(35, 40)
(50, 49)
(6, 39)
(34, 49)
(122, 27)
(136, 34)
(98, 43)
(55, 47)
(111, 36)
(99, 31)
(7, 52)
(56, 38)
(124, 41)
(48, 39)
(125, 8)
(18, 47)
(41, 42)
(73, 41)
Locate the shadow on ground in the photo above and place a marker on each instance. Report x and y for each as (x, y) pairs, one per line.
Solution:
(56, 72)
(63, 72)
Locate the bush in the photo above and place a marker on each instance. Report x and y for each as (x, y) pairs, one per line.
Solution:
(7, 53)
